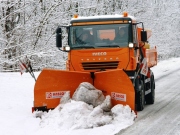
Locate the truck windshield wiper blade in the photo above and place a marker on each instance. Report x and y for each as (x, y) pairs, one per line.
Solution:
(109, 46)
(83, 46)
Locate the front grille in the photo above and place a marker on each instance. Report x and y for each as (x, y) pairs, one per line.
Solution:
(100, 65)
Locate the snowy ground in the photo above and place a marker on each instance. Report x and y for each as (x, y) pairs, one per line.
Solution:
(163, 117)
(16, 100)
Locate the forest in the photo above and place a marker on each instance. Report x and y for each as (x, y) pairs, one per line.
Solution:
(27, 27)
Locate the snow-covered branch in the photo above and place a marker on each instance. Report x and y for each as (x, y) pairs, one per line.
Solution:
(27, 27)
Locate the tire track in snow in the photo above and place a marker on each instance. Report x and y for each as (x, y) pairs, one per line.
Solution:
(166, 75)
(163, 117)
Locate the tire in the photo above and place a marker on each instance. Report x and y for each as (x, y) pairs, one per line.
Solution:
(150, 98)
(140, 97)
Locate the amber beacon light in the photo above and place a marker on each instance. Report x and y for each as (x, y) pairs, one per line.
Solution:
(75, 16)
(125, 14)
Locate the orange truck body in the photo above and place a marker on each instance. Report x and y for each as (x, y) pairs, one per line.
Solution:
(115, 70)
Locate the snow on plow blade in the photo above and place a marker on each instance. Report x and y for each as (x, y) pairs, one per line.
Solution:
(117, 84)
(51, 85)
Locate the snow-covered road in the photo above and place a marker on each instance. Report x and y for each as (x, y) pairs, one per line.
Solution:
(162, 118)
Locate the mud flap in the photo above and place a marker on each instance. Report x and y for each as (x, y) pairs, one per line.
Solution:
(51, 85)
(117, 84)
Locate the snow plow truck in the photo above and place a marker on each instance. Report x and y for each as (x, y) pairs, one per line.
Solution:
(120, 67)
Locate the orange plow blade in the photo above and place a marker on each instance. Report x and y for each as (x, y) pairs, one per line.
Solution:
(117, 84)
(51, 85)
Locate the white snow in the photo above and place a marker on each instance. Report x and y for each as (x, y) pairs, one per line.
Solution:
(70, 118)
(102, 17)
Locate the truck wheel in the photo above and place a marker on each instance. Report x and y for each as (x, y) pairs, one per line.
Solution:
(140, 97)
(151, 96)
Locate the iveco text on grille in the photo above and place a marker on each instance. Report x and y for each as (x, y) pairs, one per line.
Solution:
(99, 53)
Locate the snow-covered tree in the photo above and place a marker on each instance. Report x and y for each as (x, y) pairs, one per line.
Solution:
(27, 27)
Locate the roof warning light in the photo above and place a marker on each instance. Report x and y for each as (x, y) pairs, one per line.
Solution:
(75, 16)
(125, 14)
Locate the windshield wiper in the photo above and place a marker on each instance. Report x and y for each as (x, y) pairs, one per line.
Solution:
(109, 46)
(83, 46)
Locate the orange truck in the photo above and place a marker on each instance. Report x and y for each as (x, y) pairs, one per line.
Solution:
(98, 54)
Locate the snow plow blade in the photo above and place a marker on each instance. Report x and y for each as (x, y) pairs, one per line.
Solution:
(117, 84)
(51, 85)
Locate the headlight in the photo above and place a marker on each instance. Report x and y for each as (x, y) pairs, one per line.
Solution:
(131, 45)
(66, 48)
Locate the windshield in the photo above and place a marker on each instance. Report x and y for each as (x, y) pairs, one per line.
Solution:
(116, 35)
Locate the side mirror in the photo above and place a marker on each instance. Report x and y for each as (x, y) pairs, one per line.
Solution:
(143, 36)
(59, 37)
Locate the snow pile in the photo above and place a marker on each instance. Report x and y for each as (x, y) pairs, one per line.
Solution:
(82, 112)
(89, 94)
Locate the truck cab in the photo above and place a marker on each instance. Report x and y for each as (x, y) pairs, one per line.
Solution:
(105, 49)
